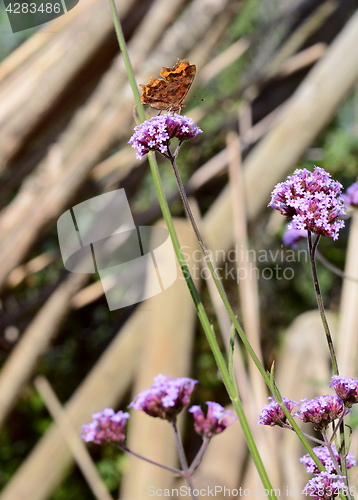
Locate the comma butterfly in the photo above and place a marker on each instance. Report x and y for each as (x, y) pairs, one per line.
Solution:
(169, 94)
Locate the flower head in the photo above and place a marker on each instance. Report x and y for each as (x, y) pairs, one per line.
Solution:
(292, 235)
(271, 414)
(312, 200)
(324, 456)
(216, 420)
(154, 134)
(106, 427)
(321, 410)
(350, 197)
(325, 486)
(165, 398)
(346, 389)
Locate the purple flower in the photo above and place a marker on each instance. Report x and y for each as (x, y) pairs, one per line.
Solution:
(346, 389)
(106, 427)
(165, 398)
(292, 235)
(350, 197)
(216, 420)
(325, 486)
(321, 410)
(324, 456)
(312, 200)
(154, 134)
(272, 414)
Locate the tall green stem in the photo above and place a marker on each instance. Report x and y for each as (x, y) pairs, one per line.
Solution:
(213, 272)
(228, 382)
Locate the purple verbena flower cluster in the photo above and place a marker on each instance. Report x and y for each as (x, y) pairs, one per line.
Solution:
(154, 134)
(350, 197)
(346, 389)
(165, 398)
(292, 236)
(106, 427)
(312, 199)
(325, 486)
(216, 420)
(272, 414)
(321, 410)
(326, 460)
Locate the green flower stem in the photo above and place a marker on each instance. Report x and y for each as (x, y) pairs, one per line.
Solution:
(213, 272)
(229, 384)
(312, 250)
(219, 358)
(233, 393)
(231, 352)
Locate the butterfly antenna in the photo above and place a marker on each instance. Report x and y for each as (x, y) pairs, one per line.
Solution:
(197, 100)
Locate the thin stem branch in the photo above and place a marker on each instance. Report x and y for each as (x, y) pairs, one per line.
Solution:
(318, 441)
(334, 269)
(331, 454)
(183, 460)
(199, 456)
(337, 426)
(123, 447)
(312, 249)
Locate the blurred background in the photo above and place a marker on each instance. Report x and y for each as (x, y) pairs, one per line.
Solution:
(275, 89)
